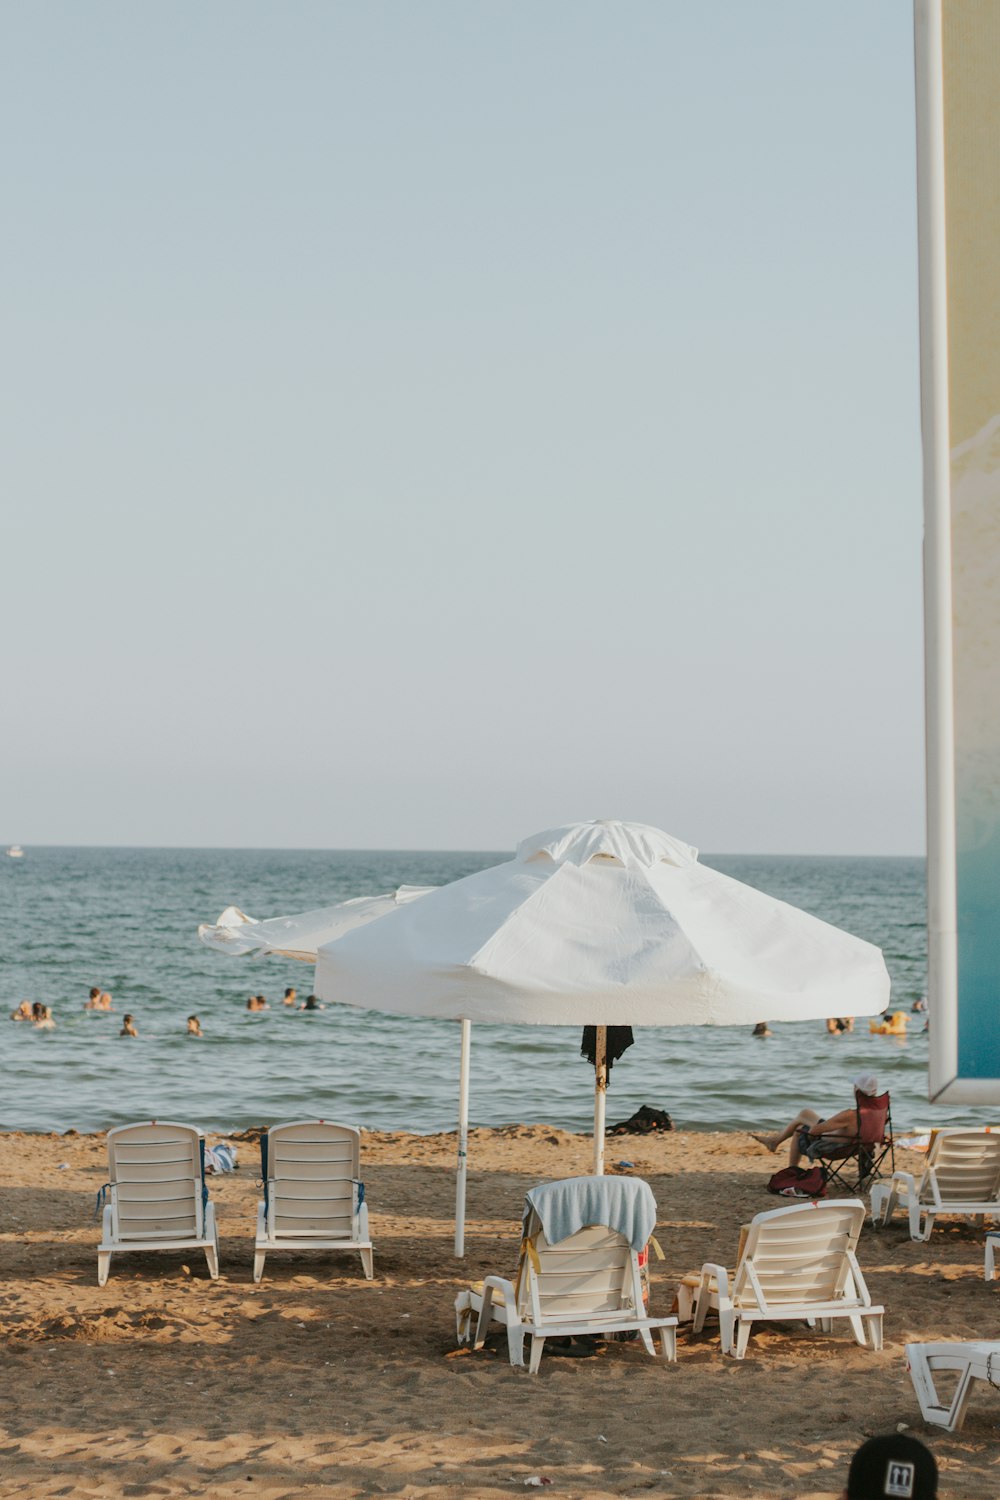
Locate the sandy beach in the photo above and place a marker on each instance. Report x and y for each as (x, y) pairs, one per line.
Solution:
(317, 1383)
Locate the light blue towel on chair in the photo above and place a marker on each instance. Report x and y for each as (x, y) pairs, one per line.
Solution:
(625, 1204)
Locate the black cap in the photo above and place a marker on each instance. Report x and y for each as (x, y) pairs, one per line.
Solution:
(895, 1467)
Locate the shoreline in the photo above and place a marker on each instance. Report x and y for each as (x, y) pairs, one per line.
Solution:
(315, 1383)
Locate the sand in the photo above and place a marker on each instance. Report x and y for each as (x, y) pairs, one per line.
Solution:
(318, 1383)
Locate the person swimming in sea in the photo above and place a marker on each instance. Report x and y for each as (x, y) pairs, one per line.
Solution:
(97, 1000)
(129, 1027)
(311, 1003)
(23, 1012)
(41, 1017)
(194, 1027)
(291, 996)
(257, 1002)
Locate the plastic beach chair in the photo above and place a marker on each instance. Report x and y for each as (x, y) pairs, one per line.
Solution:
(313, 1196)
(868, 1151)
(587, 1282)
(961, 1176)
(155, 1197)
(795, 1263)
(969, 1362)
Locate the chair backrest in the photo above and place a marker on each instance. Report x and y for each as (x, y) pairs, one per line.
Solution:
(156, 1171)
(592, 1272)
(964, 1165)
(873, 1116)
(800, 1254)
(310, 1174)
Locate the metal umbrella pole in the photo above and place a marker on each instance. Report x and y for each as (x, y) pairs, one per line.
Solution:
(463, 1137)
(600, 1097)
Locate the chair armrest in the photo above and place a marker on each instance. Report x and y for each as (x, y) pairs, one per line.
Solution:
(721, 1276)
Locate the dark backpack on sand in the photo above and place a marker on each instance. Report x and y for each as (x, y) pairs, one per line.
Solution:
(798, 1182)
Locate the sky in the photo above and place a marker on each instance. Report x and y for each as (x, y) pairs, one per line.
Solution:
(427, 424)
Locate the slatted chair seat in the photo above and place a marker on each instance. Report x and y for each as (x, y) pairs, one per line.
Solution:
(313, 1195)
(156, 1194)
(961, 1177)
(586, 1283)
(797, 1263)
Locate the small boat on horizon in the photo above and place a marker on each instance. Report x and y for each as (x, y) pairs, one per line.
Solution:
(15, 852)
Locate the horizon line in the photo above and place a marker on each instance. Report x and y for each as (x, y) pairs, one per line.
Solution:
(443, 849)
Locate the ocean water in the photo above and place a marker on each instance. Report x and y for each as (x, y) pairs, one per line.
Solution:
(126, 919)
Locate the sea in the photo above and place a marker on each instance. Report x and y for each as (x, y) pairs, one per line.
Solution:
(126, 920)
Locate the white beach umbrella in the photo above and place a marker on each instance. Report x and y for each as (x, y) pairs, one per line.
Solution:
(301, 936)
(600, 924)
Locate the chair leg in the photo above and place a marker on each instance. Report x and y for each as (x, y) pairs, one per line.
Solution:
(103, 1266)
(668, 1344)
(913, 1210)
(742, 1337)
(875, 1324)
(685, 1303)
(483, 1322)
(258, 1264)
(368, 1264)
(212, 1256)
(463, 1316)
(990, 1268)
(515, 1345)
(537, 1345)
(647, 1341)
(727, 1327)
(960, 1400)
(858, 1329)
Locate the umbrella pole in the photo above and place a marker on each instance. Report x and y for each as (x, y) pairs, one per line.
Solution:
(463, 1138)
(600, 1097)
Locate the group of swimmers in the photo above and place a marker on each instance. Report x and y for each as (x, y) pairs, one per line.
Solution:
(40, 1016)
(890, 1023)
(291, 999)
(42, 1019)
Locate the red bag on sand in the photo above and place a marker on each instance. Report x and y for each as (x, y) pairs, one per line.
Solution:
(799, 1182)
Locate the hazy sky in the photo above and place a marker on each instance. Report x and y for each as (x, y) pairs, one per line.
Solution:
(427, 423)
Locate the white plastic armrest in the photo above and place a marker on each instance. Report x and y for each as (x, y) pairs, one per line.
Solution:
(261, 1221)
(721, 1275)
(107, 1219)
(703, 1296)
(505, 1288)
(362, 1229)
(905, 1179)
(210, 1220)
(861, 1291)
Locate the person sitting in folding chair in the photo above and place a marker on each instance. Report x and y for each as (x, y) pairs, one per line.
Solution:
(840, 1135)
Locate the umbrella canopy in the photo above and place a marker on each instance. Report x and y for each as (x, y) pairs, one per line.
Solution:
(598, 924)
(301, 936)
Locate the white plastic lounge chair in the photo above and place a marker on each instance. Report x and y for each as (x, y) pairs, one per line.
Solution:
(970, 1362)
(585, 1282)
(156, 1194)
(313, 1196)
(962, 1176)
(796, 1262)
